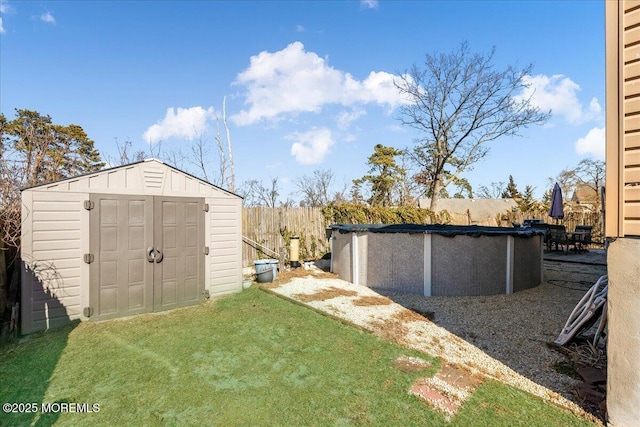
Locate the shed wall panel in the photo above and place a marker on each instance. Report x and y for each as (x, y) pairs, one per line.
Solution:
(225, 245)
(52, 259)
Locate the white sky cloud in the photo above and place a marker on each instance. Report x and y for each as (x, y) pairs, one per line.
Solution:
(349, 137)
(187, 123)
(369, 4)
(311, 147)
(300, 28)
(48, 18)
(560, 95)
(592, 144)
(345, 118)
(4, 6)
(293, 80)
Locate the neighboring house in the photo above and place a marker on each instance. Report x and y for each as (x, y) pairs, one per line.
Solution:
(586, 197)
(479, 210)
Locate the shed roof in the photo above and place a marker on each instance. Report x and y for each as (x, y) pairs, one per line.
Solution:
(149, 176)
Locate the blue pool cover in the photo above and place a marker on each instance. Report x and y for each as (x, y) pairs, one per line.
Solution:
(444, 230)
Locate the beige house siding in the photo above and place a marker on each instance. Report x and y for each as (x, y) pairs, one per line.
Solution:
(623, 211)
(55, 237)
(623, 119)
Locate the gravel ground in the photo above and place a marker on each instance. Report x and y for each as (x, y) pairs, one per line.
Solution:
(503, 337)
(515, 329)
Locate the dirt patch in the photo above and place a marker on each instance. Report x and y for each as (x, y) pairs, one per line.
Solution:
(392, 329)
(287, 276)
(411, 364)
(459, 377)
(325, 294)
(409, 316)
(369, 300)
(447, 390)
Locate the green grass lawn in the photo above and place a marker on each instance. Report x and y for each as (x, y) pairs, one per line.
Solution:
(250, 359)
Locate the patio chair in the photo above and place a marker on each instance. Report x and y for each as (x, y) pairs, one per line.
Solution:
(558, 237)
(582, 241)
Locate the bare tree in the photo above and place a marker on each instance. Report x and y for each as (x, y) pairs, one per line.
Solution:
(232, 171)
(247, 190)
(495, 191)
(255, 193)
(589, 173)
(459, 102)
(126, 154)
(269, 195)
(200, 152)
(592, 173)
(316, 189)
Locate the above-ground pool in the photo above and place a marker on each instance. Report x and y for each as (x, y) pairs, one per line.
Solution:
(435, 260)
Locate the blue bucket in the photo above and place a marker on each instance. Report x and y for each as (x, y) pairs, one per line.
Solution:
(266, 270)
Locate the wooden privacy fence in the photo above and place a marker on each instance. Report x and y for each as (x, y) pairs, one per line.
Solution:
(267, 231)
(272, 228)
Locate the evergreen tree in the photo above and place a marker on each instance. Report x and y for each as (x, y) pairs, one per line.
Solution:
(40, 151)
(384, 175)
(511, 192)
(527, 202)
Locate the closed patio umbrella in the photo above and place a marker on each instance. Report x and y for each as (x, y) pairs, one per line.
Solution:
(556, 211)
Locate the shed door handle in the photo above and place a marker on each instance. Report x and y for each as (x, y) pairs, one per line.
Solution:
(158, 255)
(151, 255)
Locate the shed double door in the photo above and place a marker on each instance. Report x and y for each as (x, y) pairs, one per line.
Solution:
(148, 254)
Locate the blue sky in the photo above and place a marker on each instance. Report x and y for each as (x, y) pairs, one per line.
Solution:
(307, 84)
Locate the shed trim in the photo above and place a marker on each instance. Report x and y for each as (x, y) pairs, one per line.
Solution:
(114, 168)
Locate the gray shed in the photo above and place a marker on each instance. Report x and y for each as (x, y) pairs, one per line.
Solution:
(133, 239)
